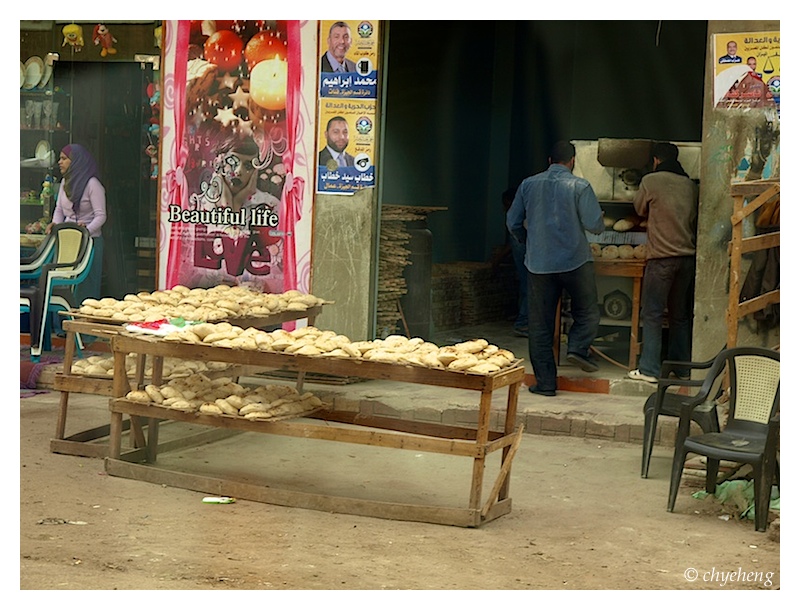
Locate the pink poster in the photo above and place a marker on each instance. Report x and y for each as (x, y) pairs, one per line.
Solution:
(231, 195)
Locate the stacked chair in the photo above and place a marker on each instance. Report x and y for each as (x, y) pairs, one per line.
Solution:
(751, 433)
(48, 279)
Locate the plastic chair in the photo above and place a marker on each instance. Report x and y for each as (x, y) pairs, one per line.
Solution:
(662, 402)
(30, 267)
(751, 433)
(53, 291)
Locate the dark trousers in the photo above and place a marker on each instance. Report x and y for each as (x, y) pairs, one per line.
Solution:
(544, 292)
(90, 287)
(668, 286)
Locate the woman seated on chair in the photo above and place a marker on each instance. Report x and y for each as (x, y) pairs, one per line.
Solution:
(82, 199)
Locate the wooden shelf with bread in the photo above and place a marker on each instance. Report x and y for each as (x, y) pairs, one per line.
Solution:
(106, 317)
(619, 257)
(471, 365)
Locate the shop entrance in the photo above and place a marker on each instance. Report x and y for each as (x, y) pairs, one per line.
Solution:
(111, 115)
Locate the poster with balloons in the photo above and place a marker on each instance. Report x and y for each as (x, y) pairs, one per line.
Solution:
(348, 91)
(232, 198)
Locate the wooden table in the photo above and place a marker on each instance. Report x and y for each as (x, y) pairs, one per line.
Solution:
(82, 443)
(472, 443)
(634, 269)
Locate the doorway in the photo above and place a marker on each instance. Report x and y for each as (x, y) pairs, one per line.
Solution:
(111, 116)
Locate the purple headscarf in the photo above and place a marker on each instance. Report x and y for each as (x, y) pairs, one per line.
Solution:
(82, 167)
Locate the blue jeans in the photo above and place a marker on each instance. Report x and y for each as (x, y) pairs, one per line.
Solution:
(668, 285)
(518, 252)
(544, 292)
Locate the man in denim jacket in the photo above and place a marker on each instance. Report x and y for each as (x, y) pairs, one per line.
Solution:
(558, 208)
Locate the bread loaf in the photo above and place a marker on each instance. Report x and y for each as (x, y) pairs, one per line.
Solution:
(611, 252)
(625, 251)
(624, 224)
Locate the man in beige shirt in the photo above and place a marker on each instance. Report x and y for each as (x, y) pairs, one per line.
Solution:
(668, 199)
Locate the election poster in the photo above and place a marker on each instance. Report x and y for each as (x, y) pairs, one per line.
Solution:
(348, 92)
(346, 159)
(349, 59)
(747, 70)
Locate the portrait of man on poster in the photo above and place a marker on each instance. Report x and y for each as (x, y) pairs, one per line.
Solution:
(337, 136)
(731, 57)
(339, 41)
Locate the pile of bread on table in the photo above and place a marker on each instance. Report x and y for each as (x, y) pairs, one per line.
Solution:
(222, 396)
(198, 393)
(221, 302)
(211, 315)
(102, 365)
(473, 356)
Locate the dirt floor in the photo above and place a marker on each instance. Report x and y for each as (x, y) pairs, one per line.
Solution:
(582, 518)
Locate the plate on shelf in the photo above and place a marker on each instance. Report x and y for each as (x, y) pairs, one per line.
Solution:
(48, 72)
(43, 150)
(34, 68)
(21, 74)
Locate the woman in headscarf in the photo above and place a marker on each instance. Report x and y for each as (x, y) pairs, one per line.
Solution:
(82, 199)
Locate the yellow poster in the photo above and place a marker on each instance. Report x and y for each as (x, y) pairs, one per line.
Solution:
(346, 158)
(747, 70)
(348, 64)
(348, 90)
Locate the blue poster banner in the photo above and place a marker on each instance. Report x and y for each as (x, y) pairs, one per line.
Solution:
(349, 85)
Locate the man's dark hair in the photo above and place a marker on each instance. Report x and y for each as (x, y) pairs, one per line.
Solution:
(562, 152)
(333, 120)
(665, 151)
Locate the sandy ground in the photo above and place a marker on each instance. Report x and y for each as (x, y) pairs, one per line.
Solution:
(582, 518)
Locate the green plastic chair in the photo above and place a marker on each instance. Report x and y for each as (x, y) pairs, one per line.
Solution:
(53, 291)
